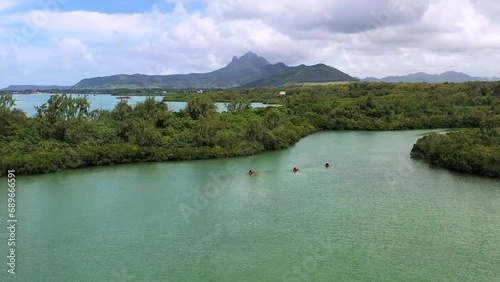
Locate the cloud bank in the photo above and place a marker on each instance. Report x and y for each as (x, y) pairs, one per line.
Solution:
(50, 42)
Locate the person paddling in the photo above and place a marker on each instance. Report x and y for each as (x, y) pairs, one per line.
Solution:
(251, 172)
(295, 169)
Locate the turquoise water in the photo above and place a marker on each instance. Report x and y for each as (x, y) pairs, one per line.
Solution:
(374, 215)
(27, 102)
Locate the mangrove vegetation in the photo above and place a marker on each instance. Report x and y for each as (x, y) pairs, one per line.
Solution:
(474, 151)
(65, 133)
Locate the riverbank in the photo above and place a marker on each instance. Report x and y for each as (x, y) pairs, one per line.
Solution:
(82, 157)
(471, 151)
(66, 133)
(372, 208)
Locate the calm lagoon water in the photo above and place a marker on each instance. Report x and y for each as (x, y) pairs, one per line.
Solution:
(100, 101)
(374, 215)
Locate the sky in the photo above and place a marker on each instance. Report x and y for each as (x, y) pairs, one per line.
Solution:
(48, 42)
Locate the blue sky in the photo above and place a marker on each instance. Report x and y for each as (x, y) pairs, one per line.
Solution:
(128, 6)
(63, 41)
(118, 6)
(107, 6)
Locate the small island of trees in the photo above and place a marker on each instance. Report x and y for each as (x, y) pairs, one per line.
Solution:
(474, 151)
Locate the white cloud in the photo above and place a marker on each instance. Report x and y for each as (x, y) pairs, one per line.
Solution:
(74, 53)
(361, 37)
(8, 4)
(89, 26)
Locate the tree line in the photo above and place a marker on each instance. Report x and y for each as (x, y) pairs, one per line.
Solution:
(474, 151)
(65, 133)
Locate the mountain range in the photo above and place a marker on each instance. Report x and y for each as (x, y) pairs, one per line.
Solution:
(35, 87)
(449, 76)
(249, 70)
(239, 71)
(319, 73)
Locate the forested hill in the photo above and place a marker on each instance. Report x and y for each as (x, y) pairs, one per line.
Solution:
(319, 73)
(35, 87)
(250, 70)
(449, 76)
(239, 71)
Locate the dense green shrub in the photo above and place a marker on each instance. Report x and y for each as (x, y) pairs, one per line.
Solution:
(475, 151)
(66, 134)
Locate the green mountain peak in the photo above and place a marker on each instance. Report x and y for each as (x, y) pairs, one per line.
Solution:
(248, 70)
